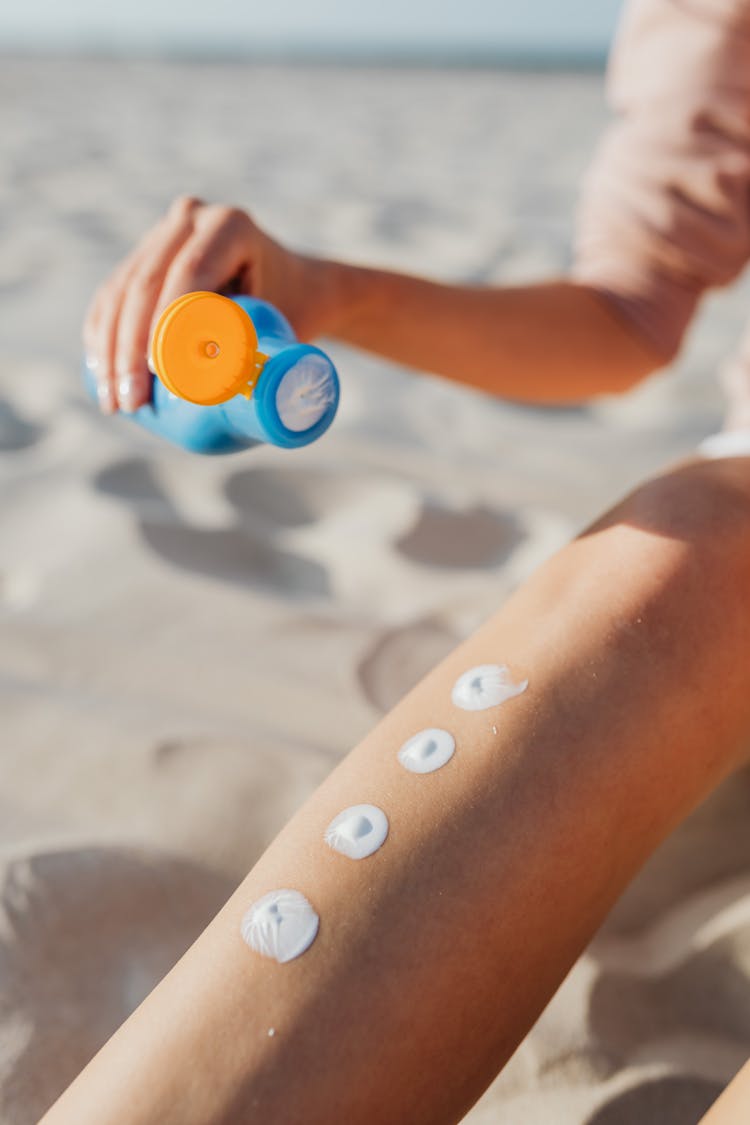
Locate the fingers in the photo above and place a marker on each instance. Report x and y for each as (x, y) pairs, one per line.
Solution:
(116, 327)
(99, 333)
(219, 248)
(139, 299)
(196, 246)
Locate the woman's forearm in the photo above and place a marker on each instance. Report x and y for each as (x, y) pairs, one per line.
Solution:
(436, 953)
(553, 342)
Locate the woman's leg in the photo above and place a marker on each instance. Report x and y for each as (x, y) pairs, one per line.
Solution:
(436, 953)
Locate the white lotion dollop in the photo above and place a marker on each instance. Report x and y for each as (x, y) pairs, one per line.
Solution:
(358, 831)
(281, 925)
(488, 685)
(427, 751)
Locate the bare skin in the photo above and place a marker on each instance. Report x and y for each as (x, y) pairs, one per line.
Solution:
(487, 337)
(436, 954)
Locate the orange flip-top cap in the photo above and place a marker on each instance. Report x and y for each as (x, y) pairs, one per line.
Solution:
(205, 349)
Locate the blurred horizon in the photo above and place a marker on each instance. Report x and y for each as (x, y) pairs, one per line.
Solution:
(482, 32)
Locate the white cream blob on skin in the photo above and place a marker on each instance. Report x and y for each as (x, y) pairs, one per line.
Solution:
(427, 751)
(488, 685)
(358, 831)
(281, 925)
(305, 393)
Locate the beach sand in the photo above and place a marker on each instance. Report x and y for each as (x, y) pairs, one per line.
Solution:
(187, 645)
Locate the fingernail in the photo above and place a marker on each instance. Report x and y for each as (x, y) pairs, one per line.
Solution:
(105, 397)
(92, 361)
(126, 393)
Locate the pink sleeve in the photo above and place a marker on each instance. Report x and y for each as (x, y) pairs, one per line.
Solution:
(665, 212)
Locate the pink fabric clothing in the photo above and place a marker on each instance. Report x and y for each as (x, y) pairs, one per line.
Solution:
(665, 211)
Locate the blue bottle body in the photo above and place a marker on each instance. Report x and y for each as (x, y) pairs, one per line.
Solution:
(243, 422)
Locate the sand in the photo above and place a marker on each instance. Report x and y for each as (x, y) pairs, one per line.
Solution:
(187, 646)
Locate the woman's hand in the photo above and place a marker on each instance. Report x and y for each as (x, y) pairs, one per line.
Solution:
(195, 246)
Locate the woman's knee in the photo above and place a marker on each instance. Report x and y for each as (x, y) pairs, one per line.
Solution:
(689, 531)
(701, 502)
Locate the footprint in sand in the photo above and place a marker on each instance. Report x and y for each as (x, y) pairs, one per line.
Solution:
(652, 987)
(472, 538)
(399, 659)
(242, 553)
(15, 432)
(292, 498)
(671, 1100)
(227, 797)
(106, 924)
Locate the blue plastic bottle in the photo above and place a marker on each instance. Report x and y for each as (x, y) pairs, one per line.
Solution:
(230, 374)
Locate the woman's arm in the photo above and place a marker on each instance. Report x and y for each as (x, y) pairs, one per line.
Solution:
(553, 342)
(436, 953)
(556, 342)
